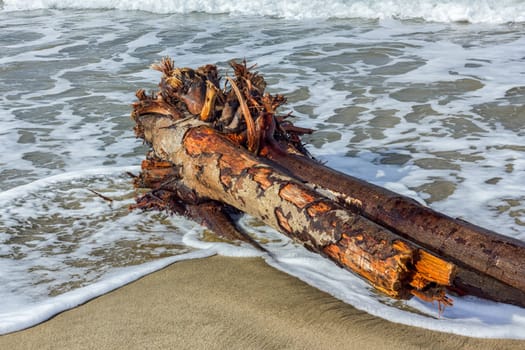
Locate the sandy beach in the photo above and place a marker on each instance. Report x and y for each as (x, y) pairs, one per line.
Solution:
(228, 303)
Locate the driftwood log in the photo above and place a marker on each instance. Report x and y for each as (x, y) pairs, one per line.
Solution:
(216, 151)
(489, 265)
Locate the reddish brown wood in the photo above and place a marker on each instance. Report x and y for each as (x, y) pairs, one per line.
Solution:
(477, 252)
(228, 147)
(212, 167)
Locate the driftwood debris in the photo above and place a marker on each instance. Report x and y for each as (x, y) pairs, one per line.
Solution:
(218, 150)
(489, 265)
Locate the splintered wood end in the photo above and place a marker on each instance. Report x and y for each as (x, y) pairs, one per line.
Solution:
(435, 269)
(432, 275)
(209, 102)
(253, 140)
(165, 66)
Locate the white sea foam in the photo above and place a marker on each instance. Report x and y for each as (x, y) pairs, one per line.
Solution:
(22, 314)
(62, 245)
(475, 11)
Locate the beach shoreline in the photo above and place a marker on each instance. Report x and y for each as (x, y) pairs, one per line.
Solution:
(228, 303)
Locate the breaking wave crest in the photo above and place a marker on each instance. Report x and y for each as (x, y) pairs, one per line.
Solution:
(473, 11)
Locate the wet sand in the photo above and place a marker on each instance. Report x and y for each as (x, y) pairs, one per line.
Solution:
(228, 303)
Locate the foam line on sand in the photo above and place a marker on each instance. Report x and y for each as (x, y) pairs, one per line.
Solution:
(228, 303)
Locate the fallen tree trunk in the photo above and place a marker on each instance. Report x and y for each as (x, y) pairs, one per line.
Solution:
(467, 280)
(490, 265)
(215, 149)
(210, 167)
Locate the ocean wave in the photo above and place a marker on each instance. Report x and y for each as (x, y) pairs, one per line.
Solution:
(473, 11)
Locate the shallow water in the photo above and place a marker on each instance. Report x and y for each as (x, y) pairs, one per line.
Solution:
(433, 110)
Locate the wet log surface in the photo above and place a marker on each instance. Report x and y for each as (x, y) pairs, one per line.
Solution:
(212, 169)
(490, 265)
(213, 151)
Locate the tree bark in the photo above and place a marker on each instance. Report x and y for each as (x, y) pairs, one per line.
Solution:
(489, 264)
(211, 167)
(214, 150)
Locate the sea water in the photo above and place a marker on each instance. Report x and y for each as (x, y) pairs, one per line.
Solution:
(423, 97)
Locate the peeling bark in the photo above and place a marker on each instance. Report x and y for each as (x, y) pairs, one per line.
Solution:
(211, 165)
(215, 149)
(489, 264)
